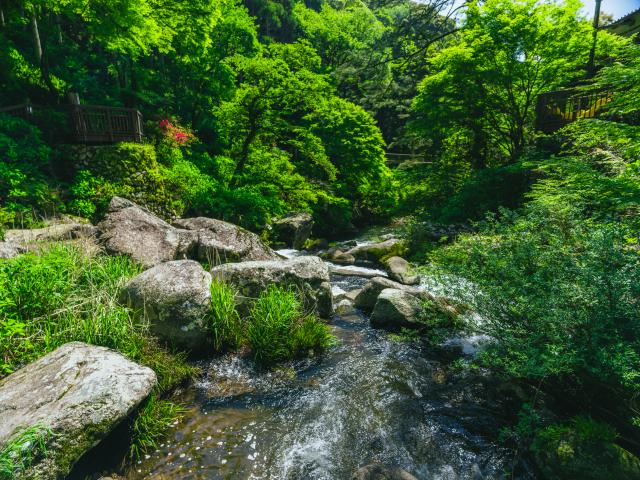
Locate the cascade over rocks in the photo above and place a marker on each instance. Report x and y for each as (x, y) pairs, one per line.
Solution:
(400, 271)
(309, 274)
(396, 309)
(175, 298)
(129, 229)
(293, 229)
(222, 242)
(80, 392)
(376, 471)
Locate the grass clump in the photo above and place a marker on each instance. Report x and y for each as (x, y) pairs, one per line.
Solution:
(226, 325)
(152, 423)
(64, 294)
(278, 329)
(19, 453)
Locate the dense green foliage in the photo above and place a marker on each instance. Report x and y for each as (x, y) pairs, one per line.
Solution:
(237, 128)
(556, 283)
(259, 108)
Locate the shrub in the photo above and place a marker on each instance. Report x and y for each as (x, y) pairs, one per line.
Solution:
(91, 194)
(279, 330)
(25, 194)
(560, 294)
(130, 170)
(585, 449)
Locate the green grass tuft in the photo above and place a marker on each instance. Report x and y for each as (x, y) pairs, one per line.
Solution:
(279, 330)
(152, 423)
(19, 453)
(64, 294)
(226, 325)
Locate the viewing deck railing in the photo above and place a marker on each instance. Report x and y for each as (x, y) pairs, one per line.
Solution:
(557, 109)
(87, 124)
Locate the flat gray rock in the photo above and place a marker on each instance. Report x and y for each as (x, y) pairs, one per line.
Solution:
(308, 274)
(57, 232)
(175, 298)
(79, 391)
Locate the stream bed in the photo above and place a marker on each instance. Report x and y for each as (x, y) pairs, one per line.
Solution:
(368, 399)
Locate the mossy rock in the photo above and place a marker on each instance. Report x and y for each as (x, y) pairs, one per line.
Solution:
(585, 450)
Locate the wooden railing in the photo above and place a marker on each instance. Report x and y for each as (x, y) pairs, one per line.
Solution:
(97, 124)
(557, 109)
(88, 124)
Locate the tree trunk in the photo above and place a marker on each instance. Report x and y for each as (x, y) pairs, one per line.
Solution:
(2, 21)
(59, 28)
(35, 33)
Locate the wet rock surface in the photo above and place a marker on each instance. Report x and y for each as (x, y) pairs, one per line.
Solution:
(368, 296)
(375, 252)
(381, 472)
(400, 270)
(396, 309)
(174, 297)
(79, 391)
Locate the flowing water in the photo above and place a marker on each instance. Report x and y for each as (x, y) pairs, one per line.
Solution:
(369, 399)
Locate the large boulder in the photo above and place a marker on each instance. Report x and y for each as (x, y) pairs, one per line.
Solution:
(293, 230)
(308, 274)
(377, 471)
(175, 298)
(80, 392)
(368, 296)
(377, 252)
(9, 250)
(400, 270)
(397, 309)
(129, 229)
(222, 242)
